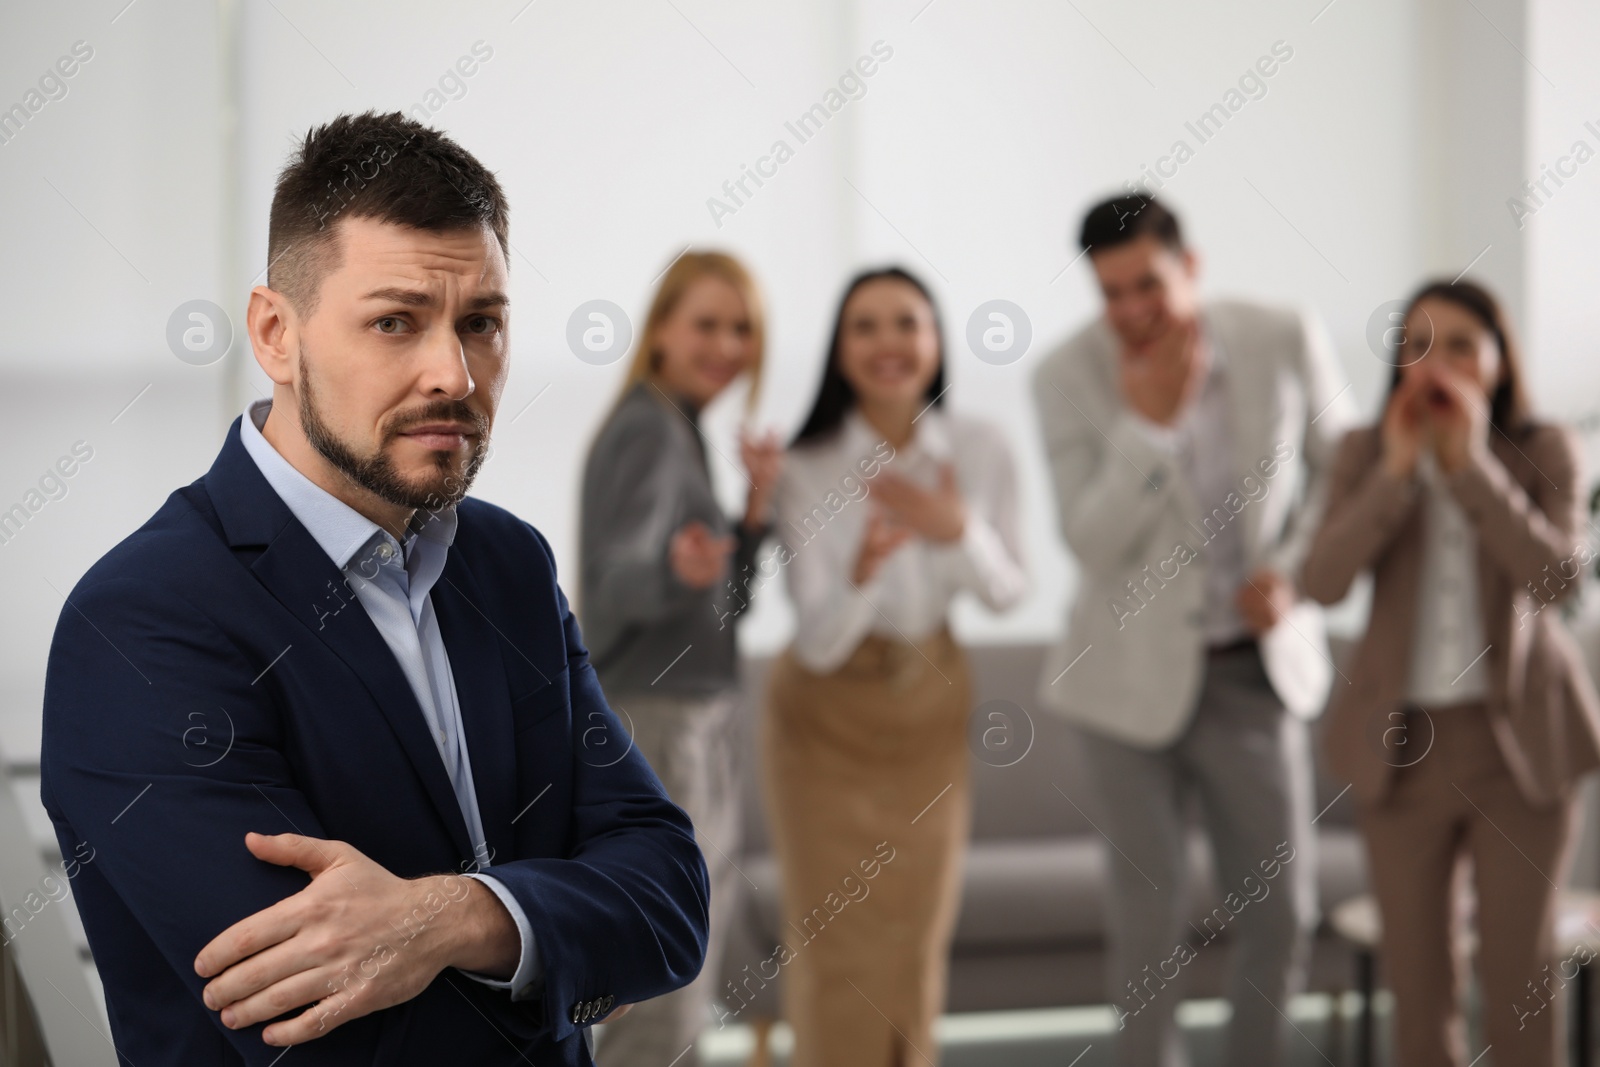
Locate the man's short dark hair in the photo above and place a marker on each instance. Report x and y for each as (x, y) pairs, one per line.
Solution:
(385, 167)
(1125, 218)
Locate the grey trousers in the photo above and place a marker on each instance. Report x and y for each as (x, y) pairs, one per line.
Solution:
(1248, 761)
(691, 745)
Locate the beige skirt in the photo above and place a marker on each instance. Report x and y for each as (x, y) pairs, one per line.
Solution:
(868, 794)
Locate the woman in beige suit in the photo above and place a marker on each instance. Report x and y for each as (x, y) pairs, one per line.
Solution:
(1468, 716)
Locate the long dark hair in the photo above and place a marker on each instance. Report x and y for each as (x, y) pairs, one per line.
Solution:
(836, 396)
(1509, 411)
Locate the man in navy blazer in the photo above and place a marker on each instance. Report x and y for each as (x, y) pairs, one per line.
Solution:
(327, 725)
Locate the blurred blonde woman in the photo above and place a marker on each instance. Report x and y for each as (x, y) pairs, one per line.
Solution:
(659, 612)
(889, 506)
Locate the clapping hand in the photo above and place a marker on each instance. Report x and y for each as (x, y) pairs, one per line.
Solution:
(936, 514)
(763, 462)
(697, 556)
(882, 537)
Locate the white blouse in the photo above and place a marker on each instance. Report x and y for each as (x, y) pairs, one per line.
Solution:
(1448, 665)
(824, 500)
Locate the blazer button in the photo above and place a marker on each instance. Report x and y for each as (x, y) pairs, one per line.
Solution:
(574, 1014)
(605, 1005)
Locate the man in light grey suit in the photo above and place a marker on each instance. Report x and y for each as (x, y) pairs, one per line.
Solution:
(1189, 442)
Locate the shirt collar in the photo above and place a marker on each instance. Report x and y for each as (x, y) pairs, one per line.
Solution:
(930, 433)
(339, 529)
(1428, 469)
(1219, 351)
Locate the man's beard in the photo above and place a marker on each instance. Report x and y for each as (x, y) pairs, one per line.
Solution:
(377, 473)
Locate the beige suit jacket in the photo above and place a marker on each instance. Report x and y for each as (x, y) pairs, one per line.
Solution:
(1524, 499)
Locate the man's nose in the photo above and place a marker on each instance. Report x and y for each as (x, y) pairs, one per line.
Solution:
(445, 370)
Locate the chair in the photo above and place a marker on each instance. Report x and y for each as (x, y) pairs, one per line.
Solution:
(50, 1012)
(1577, 914)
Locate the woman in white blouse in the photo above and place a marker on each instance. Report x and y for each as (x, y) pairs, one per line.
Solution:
(888, 507)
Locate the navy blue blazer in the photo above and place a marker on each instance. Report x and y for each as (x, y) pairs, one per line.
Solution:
(213, 674)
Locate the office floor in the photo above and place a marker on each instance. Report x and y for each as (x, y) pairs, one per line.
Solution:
(1081, 1037)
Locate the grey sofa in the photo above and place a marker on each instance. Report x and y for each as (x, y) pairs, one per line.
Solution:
(1031, 926)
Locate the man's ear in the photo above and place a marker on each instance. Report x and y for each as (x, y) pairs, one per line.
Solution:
(273, 327)
(1191, 263)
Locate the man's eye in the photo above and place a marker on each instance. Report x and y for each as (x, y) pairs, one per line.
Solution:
(481, 324)
(390, 324)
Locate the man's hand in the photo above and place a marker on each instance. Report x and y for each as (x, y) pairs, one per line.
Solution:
(1264, 598)
(1159, 376)
(358, 939)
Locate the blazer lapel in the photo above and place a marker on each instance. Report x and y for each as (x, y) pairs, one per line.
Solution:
(1495, 593)
(1247, 405)
(297, 572)
(482, 690)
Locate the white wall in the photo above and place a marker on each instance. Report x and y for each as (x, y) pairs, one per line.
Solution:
(89, 272)
(1563, 317)
(972, 154)
(1006, 122)
(93, 266)
(610, 129)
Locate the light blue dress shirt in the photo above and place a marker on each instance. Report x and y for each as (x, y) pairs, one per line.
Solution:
(393, 583)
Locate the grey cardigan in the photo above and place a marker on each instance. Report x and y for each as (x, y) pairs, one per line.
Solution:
(645, 477)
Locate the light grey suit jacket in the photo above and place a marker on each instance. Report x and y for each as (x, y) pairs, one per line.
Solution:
(1132, 660)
